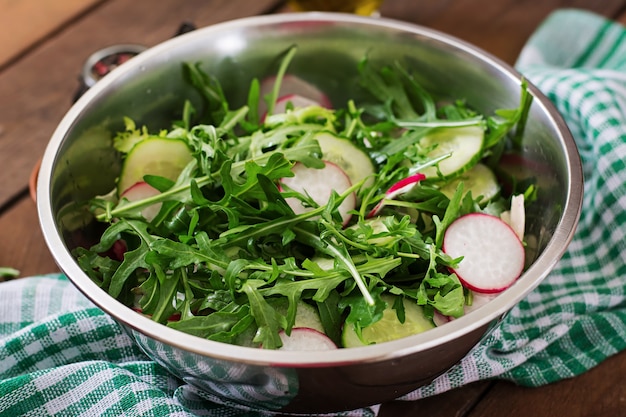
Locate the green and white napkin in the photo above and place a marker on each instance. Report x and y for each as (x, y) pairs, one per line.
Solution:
(62, 356)
(576, 318)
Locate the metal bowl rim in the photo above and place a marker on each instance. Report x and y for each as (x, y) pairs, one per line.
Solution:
(385, 351)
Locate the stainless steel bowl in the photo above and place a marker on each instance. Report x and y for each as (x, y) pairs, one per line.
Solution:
(80, 163)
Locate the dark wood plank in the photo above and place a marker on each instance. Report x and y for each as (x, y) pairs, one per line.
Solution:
(31, 105)
(502, 28)
(452, 403)
(30, 21)
(499, 27)
(21, 242)
(599, 392)
(37, 90)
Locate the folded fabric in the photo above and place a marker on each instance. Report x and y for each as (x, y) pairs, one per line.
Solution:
(60, 355)
(576, 318)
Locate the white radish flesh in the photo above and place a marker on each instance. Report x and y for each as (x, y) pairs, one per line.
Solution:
(518, 215)
(291, 84)
(319, 184)
(493, 255)
(478, 300)
(140, 191)
(305, 338)
(341, 151)
(440, 319)
(296, 100)
(401, 187)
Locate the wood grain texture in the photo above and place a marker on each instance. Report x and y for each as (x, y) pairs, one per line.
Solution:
(37, 90)
(499, 27)
(599, 392)
(457, 402)
(21, 242)
(25, 23)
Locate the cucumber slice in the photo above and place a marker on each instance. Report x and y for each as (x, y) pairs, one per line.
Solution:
(389, 327)
(306, 317)
(465, 145)
(355, 162)
(154, 156)
(306, 314)
(480, 180)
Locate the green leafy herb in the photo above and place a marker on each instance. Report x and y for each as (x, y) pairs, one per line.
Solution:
(226, 247)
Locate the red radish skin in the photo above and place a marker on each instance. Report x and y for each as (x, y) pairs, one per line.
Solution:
(296, 100)
(440, 319)
(293, 85)
(139, 191)
(401, 187)
(319, 184)
(493, 255)
(118, 250)
(305, 338)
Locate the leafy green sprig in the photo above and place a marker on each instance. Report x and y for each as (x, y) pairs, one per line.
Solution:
(225, 245)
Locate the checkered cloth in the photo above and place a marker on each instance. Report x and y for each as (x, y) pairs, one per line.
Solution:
(60, 355)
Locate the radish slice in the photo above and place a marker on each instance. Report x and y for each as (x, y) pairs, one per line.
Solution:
(518, 215)
(139, 191)
(493, 255)
(305, 338)
(319, 184)
(296, 100)
(440, 319)
(401, 187)
(479, 300)
(291, 84)
(118, 250)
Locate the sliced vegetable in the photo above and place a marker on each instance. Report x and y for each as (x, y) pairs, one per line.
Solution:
(477, 300)
(306, 314)
(378, 227)
(291, 84)
(440, 319)
(318, 184)
(493, 255)
(516, 217)
(142, 190)
(294, 100)
(463, 144)
(389, 327)
(225, 252)
(154, 156)
(401, 187)
(355, 162)
(304, 338)
(479, 180)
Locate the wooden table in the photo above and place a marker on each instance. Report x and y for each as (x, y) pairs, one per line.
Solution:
(45, 42)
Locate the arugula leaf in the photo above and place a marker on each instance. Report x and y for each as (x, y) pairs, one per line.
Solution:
(268, 320)
(6, 272)
(226, 249)
(222, 326)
